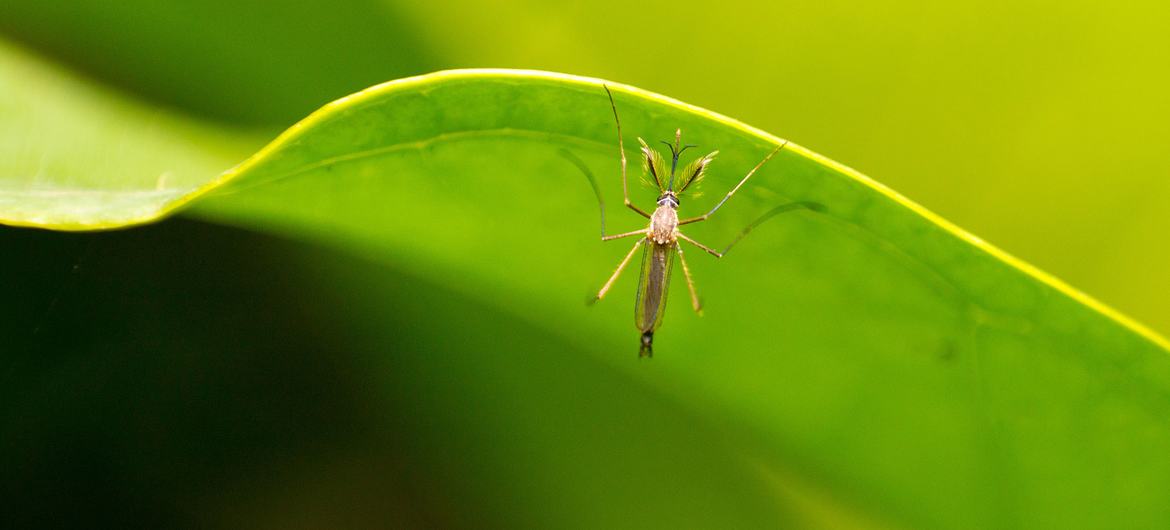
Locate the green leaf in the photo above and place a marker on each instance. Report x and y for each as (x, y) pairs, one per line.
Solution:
(73, 156)
(1008, 158)
(867, 364)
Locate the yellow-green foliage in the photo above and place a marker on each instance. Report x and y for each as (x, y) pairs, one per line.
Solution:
(376, 317)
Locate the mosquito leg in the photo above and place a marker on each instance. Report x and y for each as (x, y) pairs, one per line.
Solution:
(736, 188)
(772, 213)
(690, 282)
(701, 246)
(622, 151)
(627, 234)
(592, 183)
(621, 266)
(597, 192)
(812, 206)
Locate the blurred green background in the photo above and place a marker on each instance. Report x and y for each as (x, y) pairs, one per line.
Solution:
(1042, 127)
(1039, 126)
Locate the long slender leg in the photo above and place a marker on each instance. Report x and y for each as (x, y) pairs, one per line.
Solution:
(701, 246)
(597, 192)
(747, 229)
(768, 215)
(690, 281)
(592, 183)
(621, 266)
(736, 188)
(627, 234)
(622, 150)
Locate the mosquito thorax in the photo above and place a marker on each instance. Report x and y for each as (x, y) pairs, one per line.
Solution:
(664, 221)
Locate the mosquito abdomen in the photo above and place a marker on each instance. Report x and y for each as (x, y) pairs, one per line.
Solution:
(650, 304)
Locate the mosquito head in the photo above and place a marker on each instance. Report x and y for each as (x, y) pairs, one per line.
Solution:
(676, 149)
(668, 199)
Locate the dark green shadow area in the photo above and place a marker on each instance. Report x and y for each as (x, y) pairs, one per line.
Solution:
(190, 375)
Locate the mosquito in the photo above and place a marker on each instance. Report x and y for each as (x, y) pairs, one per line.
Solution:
(660, 240)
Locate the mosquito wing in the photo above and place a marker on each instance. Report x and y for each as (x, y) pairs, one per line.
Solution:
(653, 282)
